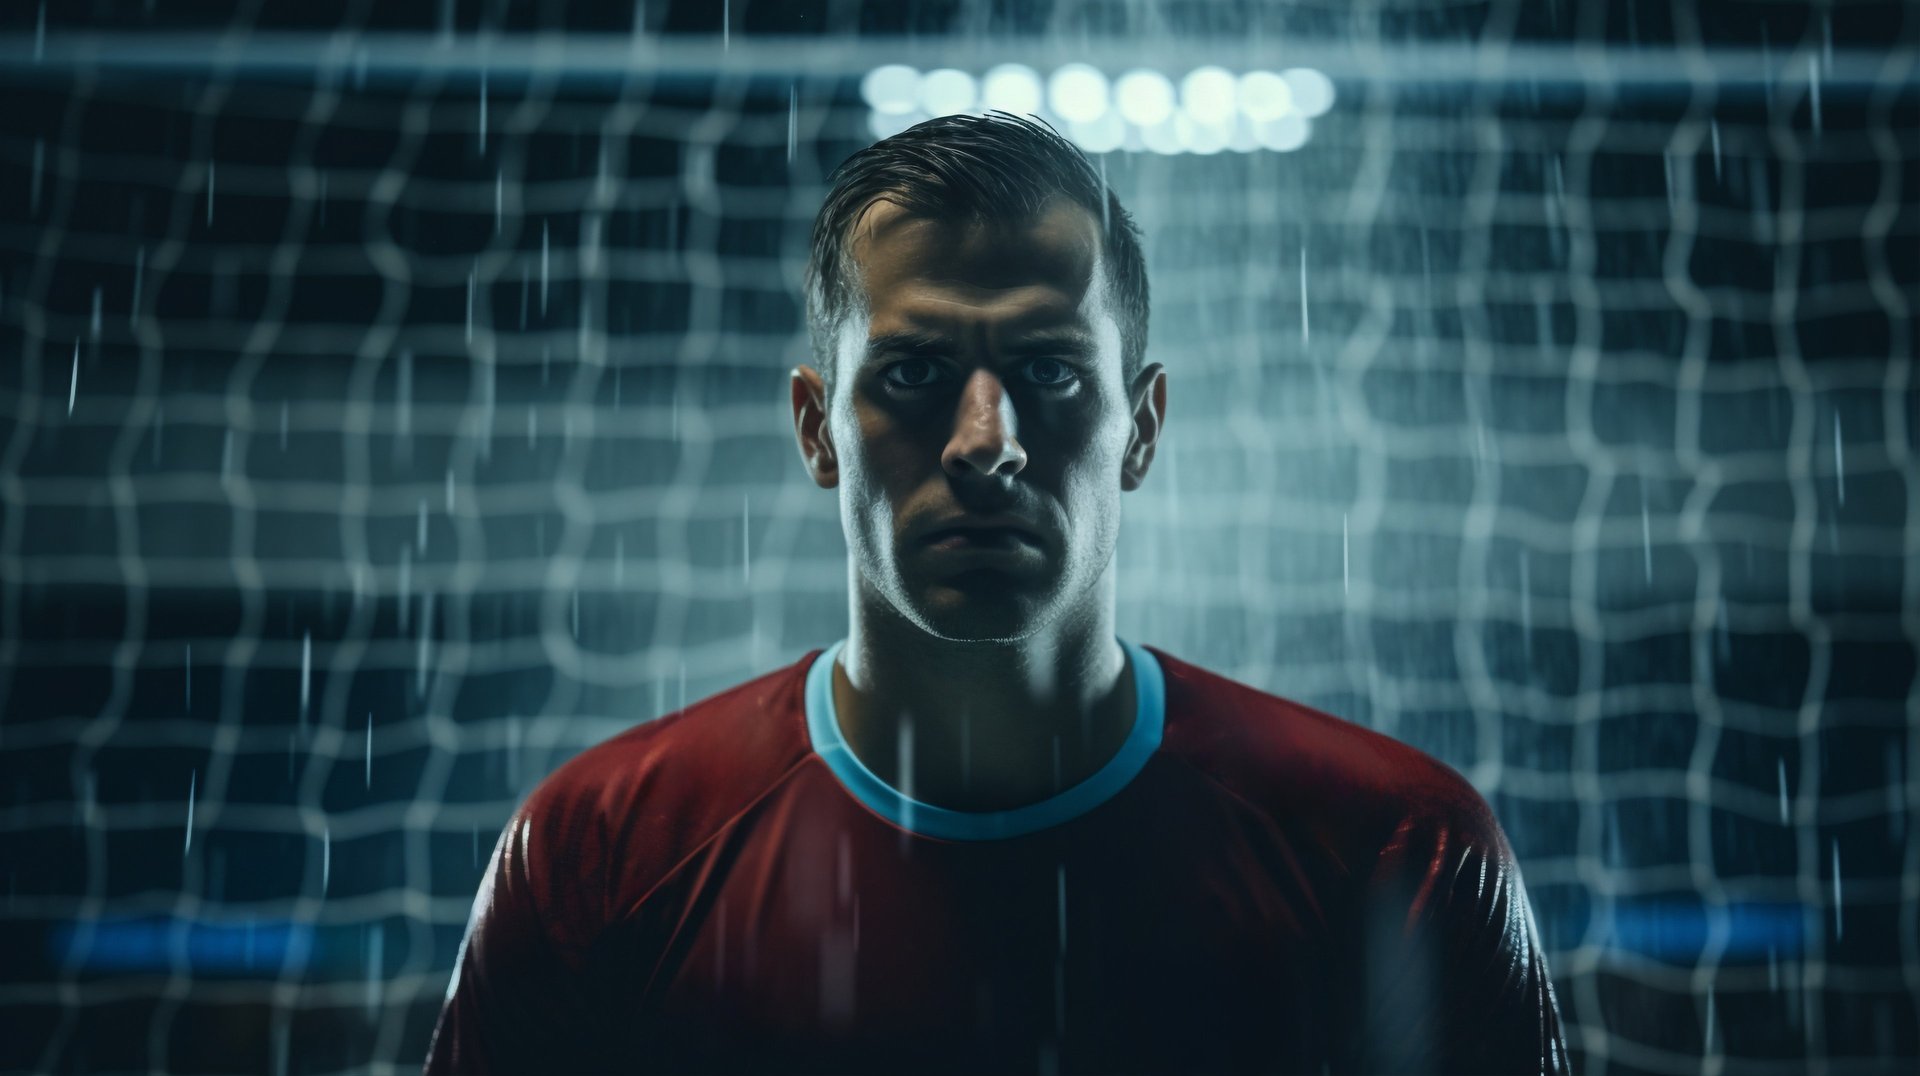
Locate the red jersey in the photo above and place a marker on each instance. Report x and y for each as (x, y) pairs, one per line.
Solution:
(1248, 885)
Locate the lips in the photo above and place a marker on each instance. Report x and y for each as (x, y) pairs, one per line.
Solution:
(989, 528)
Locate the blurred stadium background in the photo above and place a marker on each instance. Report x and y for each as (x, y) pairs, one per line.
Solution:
(393, 403)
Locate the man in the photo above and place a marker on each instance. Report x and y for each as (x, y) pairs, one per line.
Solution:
(982, 833)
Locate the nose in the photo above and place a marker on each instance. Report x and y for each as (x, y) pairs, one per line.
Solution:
(983, 430)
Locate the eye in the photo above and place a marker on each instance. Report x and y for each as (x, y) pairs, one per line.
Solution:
(1049, 373)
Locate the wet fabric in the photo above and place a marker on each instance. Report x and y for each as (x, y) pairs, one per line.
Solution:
(1249, 885)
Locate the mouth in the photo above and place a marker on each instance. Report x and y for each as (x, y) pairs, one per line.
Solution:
(1004, 540)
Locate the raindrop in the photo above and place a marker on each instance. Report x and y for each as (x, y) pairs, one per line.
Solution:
(376, 961)
(94, 323)
(746, 559)
(499, 198)
(1646, 535)
(575, 603)
(483, 112)
(1303, 295)
(189, 677)
(449, 491)
(471, 274)
(209, 193)
(420, 528)
(726, 25)
(193, 781)
(73, 386)
(283, 425)
(405, 583)
(1708, 1033)
(1346, 560)
(904, 776)
(1813, 88)
(1839, 458)
(1060, 890)
(1723, 631)
(139, 273)
(793, 119)
(1783, 789)
(1526, 607)
(40, 33)
(1713, 132)
(326, 857)
(476, 845)
(545, 253)
(306, 672)
(369, 748)
(39, 169)
(1839, 925)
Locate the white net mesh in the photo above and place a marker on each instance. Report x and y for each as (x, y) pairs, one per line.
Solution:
(391, 417)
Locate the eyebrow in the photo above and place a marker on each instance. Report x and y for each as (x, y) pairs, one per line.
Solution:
(922, 342)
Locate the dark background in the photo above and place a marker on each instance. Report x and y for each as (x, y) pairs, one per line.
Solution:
(361, 459)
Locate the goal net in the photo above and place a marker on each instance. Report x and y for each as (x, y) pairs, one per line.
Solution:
(391, 411)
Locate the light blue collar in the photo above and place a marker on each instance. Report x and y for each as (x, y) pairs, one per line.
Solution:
(1149, 719)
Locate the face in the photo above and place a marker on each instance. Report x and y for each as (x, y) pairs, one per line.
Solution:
(984, 378)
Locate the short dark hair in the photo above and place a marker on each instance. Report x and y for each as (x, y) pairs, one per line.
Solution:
(996, 167)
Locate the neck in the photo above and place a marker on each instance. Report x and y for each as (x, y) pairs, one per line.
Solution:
(976, 726)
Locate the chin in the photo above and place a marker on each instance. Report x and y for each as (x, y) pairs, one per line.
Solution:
(979, 611)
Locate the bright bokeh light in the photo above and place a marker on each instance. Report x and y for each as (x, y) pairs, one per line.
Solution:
(1312, 91)
(1200, 137)
(1099, 136)
(1143, 97)
(1162, 138)
(1264, 96)
(1206, 94)
(1244, 138)
(1077, 92)
(892, 88)
(888, 124)
(1011, 88)
(1284, 135)
(947, 91)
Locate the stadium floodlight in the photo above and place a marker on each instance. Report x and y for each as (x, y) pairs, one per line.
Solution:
(1144, 97)
(1312, 91)
(1102, 135)
(1011, 88)
(1244, 138)
(947, 91)
(1198, 136)
(891, 89)
(1207, 95)
(1264, 96)
(1077, 92)
(888, 124)
(1285, 134)
(1162, 138)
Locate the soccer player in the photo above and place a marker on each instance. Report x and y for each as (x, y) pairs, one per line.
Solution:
(982, 833)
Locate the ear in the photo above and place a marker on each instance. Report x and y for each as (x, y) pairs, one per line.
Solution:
(810, 427)
(1149, 397)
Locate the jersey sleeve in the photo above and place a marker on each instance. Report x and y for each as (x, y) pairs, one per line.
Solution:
(1454, 979)
(518, 1001)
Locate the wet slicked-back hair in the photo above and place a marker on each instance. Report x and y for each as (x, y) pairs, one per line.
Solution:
(995, 168)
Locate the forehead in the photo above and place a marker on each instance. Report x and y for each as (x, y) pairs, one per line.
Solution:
(933, 273)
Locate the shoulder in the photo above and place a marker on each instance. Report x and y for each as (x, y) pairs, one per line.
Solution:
(610, 821)
(1298, 763)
